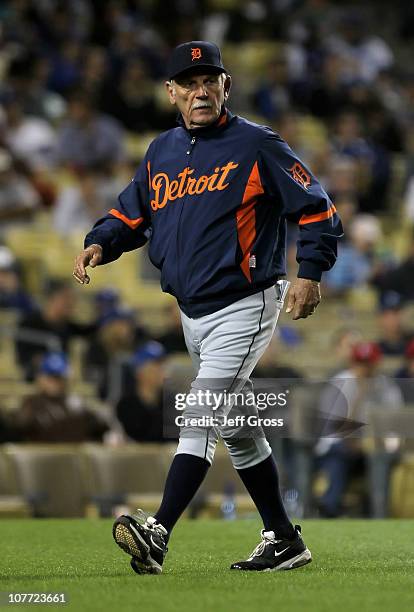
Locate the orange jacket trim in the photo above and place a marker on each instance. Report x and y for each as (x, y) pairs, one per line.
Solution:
(132, 223)
(318, 217)
(222, 120)
(149, 174)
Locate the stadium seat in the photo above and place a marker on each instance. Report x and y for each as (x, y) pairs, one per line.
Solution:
(402, 488)
(221, 482)
(49, 477)
(12, 505)
(391, 435)
(133, 474)
(8, 482)
(249, 58)
(8, 367)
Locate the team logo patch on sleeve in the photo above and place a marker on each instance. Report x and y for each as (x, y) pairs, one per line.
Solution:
(300, 175)
(195, 53)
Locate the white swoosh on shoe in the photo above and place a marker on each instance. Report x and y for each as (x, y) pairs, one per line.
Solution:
(277, 554)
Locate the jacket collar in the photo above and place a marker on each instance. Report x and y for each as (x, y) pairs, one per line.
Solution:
(223, 120)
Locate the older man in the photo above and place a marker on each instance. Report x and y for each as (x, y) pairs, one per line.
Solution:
(213, 196)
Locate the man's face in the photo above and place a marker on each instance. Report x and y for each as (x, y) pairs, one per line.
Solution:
(51, 386)
(151, 374)
(60, 304)
(79, 111)
(364, 369)
(199, 97)
(391, 321)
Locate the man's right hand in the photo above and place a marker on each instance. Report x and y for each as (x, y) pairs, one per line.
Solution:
(91, 256)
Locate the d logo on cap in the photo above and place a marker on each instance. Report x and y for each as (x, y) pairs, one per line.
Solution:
(195, 53)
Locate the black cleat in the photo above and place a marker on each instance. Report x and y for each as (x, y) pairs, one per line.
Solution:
(145, 541)
(273, 554)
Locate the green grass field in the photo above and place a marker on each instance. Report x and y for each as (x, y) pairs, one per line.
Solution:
(358, 566)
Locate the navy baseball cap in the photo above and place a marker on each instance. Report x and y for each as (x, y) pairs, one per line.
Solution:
(106, 296)
(390, 300)
(55, 364)
(151, 351)
(115, 314)
(195, 54)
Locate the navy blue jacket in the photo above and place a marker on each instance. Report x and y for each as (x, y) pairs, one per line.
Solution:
(213, 203)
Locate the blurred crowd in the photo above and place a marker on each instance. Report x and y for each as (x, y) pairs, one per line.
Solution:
(81, 93)
(121, 360)
(81, 88)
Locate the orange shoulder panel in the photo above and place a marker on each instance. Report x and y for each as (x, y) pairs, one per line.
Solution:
(246, 218)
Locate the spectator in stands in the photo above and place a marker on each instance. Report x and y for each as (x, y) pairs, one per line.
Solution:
(271, 364)
(329, 93)
(343, 342)
(172, 338)
(51, 413)
(95, 73)
(371, 159)
(80, 204)
(19, 200)
(277, 93)
(140, 411)
(133, 102)
(356, 259)
(398, 278)
(107, 359)
(364, 54)
(407, 99)
(105, 301)
(341, 179)
(108, 304)
(87, 138)
(393, 335)
(314, 151)
(288, 126)
(347, 141)
(346, 206)
(344, 407)
(12, 295)
(384, 128)
(7, 431)
(50, 328)
(29, 138)
(66, 66)
(405, 375)
(141, 39)
(27, 76)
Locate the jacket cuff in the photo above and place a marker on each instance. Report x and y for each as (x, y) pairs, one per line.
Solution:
(90, 240)
(310, 270)
(94, 240)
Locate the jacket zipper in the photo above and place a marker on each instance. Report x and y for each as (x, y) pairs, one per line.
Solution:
(189, 153)
(192, 143)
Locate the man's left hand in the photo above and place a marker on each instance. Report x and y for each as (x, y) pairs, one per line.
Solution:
(303, 298)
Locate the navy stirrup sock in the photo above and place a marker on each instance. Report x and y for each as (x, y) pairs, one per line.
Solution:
(185, 475)
(262, 483)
